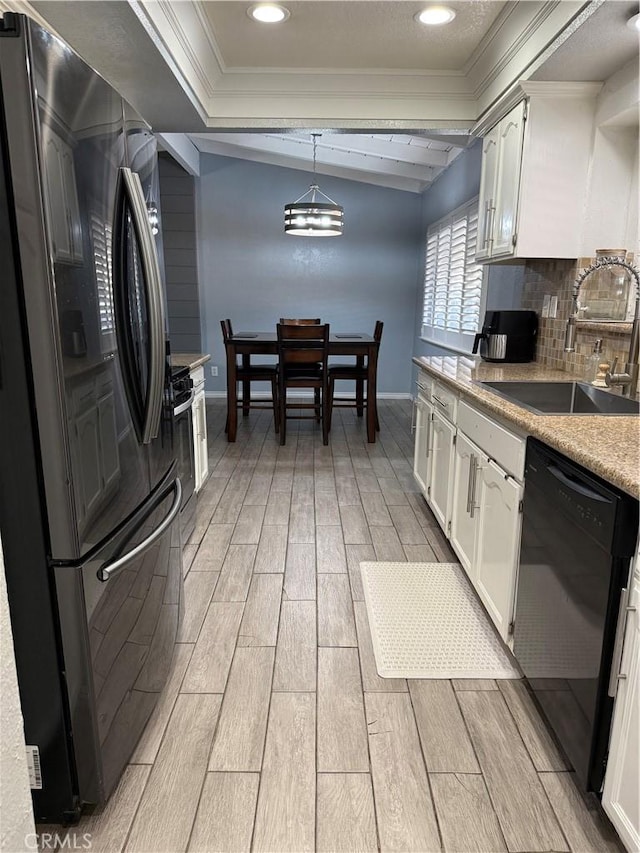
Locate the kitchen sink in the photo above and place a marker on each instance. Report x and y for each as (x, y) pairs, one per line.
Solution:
(563, 398)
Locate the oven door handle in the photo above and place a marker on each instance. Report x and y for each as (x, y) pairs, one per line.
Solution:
(184, 406)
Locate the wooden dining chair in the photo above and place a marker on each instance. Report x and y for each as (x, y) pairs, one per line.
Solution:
(306, 321)
(246, 373)
(357, 373)
(303, 352)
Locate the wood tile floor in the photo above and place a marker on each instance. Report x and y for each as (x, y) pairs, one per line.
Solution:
(275, 732)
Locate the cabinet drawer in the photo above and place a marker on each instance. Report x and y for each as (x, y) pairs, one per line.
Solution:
(424, 384)
(197, 376)
(84, 395)
(104, 385)
(444, 401)
(497, 442)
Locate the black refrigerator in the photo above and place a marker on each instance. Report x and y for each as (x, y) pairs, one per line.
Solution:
(89, 495)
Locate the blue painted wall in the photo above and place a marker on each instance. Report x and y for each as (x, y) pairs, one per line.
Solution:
(250, 271)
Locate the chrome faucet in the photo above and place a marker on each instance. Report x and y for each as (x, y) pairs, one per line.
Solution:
(629, 379)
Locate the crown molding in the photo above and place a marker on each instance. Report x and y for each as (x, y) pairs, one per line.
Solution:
(187, 48)
(532, 88)
(515, 45)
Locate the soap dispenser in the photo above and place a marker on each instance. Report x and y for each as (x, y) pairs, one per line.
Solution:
(594, 361)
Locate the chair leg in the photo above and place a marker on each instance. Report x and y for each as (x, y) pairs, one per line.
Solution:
(246, 398)
(276, 404)
(316, 400)
(329, 404)
(282, 403)
(326, 412)
(360, 397)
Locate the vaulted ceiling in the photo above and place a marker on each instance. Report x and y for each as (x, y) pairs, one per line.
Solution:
(409, 94)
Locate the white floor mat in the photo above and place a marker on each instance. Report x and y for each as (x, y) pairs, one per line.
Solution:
(426, 622)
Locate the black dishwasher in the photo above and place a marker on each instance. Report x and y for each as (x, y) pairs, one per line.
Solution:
(578, 536)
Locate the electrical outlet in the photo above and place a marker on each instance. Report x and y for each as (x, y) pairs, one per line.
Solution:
(214, 369)
(553, 307)
(545, 305)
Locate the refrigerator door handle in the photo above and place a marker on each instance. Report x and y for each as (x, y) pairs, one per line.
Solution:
(151, 271)
(109, 569)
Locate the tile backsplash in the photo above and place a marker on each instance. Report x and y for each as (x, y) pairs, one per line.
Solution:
(556, 277)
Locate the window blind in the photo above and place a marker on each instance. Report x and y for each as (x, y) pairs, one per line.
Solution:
(453, 281)
(102, 239)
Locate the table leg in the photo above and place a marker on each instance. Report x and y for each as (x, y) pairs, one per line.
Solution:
(232, 394)
(372, 370)
(246, 387)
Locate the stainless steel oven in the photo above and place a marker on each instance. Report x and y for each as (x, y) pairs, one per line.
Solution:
(182, 389)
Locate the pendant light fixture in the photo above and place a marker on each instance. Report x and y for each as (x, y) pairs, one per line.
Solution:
(307, 217)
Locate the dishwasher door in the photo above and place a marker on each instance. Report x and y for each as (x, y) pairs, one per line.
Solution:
(571, 574)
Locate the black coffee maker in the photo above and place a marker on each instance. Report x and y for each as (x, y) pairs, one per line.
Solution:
(508, 336)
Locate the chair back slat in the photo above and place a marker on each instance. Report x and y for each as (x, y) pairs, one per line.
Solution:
(303, 344)
(301, 321)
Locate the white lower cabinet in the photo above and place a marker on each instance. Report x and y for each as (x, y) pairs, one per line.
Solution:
(95, 451)
(464, 521)
(474, 488)
(421, 453)
(199, 421)
(439, 490)
(199, 413)
(498, 500)
(485, 529)
(621, 796)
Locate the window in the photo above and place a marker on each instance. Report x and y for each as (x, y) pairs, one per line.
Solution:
(453, 281)
(101, 236)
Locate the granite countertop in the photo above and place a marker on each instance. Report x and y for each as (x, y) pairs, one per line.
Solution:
(189, 359)
(607, 445)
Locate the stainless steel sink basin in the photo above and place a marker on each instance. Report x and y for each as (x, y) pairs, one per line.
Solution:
(563, 398)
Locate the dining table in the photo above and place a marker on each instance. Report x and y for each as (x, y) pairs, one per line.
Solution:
(246, 344)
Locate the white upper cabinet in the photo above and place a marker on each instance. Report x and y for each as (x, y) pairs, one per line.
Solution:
(62, 199)
(501, 159)
(535, 171)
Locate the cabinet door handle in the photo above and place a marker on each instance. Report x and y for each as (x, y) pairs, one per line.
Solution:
(487, 214)
(438, 400)
(413, 416)
(492, 216)
(472, 459)
(616, 661)
(474, 507)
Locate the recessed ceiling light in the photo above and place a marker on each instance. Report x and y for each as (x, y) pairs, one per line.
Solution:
(435, 15)
(634, 22)
(268, 13)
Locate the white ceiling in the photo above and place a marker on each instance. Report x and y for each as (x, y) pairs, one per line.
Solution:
(349, 35)
(394, 100)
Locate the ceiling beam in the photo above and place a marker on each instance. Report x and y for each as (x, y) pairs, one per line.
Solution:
(384, 178)
(299, 151)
